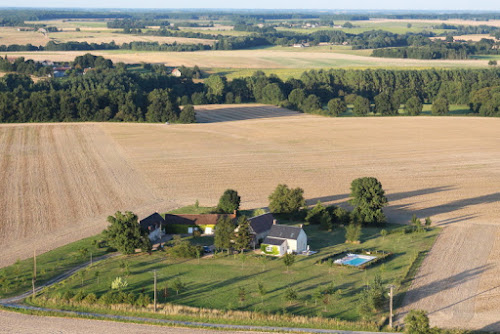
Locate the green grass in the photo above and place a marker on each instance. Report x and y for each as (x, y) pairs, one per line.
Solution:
(49, 265)
(193, 209)
(214, 282)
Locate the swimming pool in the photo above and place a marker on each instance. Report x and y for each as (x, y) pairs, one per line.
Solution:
(355, 260)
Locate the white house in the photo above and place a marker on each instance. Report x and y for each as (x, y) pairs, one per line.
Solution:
(285, 239)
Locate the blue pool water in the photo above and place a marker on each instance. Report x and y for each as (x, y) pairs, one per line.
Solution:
(357, 261)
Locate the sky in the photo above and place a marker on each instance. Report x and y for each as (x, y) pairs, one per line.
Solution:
(266, 4)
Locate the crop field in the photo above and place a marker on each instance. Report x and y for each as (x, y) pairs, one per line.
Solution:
(257, 59)
(58, 183)
(9, 35)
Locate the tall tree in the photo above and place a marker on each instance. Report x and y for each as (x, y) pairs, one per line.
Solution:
(440, 106)
(229, 201)
(243, 237)
(223, 233)
(368, 199)
(336, 107)
(361, 106)
(413, 106)
(187, 115)
(124, 233)
(286, 200)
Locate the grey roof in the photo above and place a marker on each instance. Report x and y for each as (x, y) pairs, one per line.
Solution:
(261, 223)
(273, 241)
(154, 219)
(285, 232)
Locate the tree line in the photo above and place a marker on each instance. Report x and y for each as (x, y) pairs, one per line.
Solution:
(111, 92)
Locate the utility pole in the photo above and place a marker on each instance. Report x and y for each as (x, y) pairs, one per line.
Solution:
(391, 295)
(154, 290)
(33, 281)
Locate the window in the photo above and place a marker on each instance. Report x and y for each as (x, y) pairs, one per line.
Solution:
(269, 249)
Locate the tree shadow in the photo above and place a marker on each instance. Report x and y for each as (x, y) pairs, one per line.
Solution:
(491, 328)
(230, 113)
(416, 294)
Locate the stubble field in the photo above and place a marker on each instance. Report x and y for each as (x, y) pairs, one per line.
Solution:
(58, 183)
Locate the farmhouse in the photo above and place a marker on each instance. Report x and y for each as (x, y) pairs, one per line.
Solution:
(284, 239)
(153, 225)
(177, 73)
(189, 223)
(260, 227)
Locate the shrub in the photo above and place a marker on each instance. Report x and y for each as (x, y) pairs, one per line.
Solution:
(353, 232)
(80, 295)
(143, 300)
(90, 299)
(68, 295)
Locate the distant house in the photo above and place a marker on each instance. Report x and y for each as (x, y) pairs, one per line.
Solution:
(260, 227)
(284, 239)
(177, 73)
(301, 45)
(153, 225)
(180, 224)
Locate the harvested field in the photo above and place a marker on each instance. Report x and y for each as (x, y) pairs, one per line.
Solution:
(212, 113)
(436, 171)
(24, 324)
(493, 23)
(10, 36)
(58, 183)
(256, 59)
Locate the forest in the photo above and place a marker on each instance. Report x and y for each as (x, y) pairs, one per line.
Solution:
(111, 92)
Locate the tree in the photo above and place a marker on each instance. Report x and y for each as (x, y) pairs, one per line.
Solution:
(243, 237)
(262, 291)
(361, 106)
(428, 222)
(224, 233)
(178, 285)
(216, 86)
(187, 115)
(162, 106)
(96, 275)
(384, 105)
(291, 294)
(353, 232)
(242, 294)
(368, 199)
(336, 107)
(383, 233)
(229, 202)
(125, 233)
(314, 215)
(296, 97)
(440, 106)
(312, 103)
(272, 94)
(326, 222)
(288, 260)
(286, 200)
(417, 322)
(492, 63)
(413, 106)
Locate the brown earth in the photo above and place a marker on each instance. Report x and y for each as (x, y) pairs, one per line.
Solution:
(27, 324)
(447, 168)
(58, 182)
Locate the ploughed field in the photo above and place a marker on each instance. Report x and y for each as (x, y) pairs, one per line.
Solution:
(58, 182)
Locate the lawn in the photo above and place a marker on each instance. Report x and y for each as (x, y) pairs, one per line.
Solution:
(16, 279)
(215, 282)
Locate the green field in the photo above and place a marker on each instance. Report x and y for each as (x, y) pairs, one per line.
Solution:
(214, 282)
(16, 279)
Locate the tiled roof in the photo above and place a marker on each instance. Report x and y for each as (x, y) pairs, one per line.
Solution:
(261, 223)
(284, 232)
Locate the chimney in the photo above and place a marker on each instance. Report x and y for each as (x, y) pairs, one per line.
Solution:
(275, 222)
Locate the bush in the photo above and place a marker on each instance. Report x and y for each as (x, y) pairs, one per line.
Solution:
(185, 250)
(80, 295)
(68, 295)
(108, 298)
(90, 299)
(143, 300)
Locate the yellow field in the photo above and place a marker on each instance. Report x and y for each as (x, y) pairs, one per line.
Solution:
(10, 35)
(256, 59)
(58, 183)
